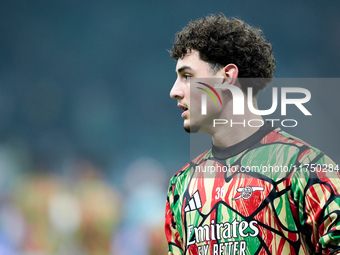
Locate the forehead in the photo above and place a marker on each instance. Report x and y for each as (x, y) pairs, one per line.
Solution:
(192, 61)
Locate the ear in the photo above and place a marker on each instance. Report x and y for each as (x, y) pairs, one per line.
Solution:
(230, 72)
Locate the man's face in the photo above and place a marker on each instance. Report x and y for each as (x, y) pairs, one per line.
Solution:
(191, 66)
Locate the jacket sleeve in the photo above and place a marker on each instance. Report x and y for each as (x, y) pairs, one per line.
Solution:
(316, 194)
(171, 232)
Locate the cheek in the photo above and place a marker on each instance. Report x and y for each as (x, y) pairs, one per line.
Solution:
(195, 101)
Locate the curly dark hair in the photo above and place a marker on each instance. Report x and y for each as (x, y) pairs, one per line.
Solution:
(221, 41)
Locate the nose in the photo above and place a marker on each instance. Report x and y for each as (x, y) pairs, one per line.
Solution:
(176, 92)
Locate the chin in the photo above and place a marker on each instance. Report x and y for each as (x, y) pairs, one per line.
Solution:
(191, 128)
(187, 129)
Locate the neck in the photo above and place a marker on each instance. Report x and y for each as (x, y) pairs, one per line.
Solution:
(237, 129)
(228, 136)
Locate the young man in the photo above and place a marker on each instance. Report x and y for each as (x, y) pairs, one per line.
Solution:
(258, 190)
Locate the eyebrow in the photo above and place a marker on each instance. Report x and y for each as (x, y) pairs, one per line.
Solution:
(183, 68)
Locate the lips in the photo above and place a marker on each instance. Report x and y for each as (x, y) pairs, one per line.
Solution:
(184, 108)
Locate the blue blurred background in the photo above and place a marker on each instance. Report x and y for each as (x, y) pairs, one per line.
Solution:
(88, 134)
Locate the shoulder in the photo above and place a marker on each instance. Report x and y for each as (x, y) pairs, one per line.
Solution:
(307, 151)
(295, 150)
(186, 171)
(311, 164)
(283, 138)
(280, 136)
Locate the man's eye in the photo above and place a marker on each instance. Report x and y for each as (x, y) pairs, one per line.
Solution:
(186, 76)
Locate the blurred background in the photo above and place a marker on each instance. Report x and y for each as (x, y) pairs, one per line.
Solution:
(89, 137)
